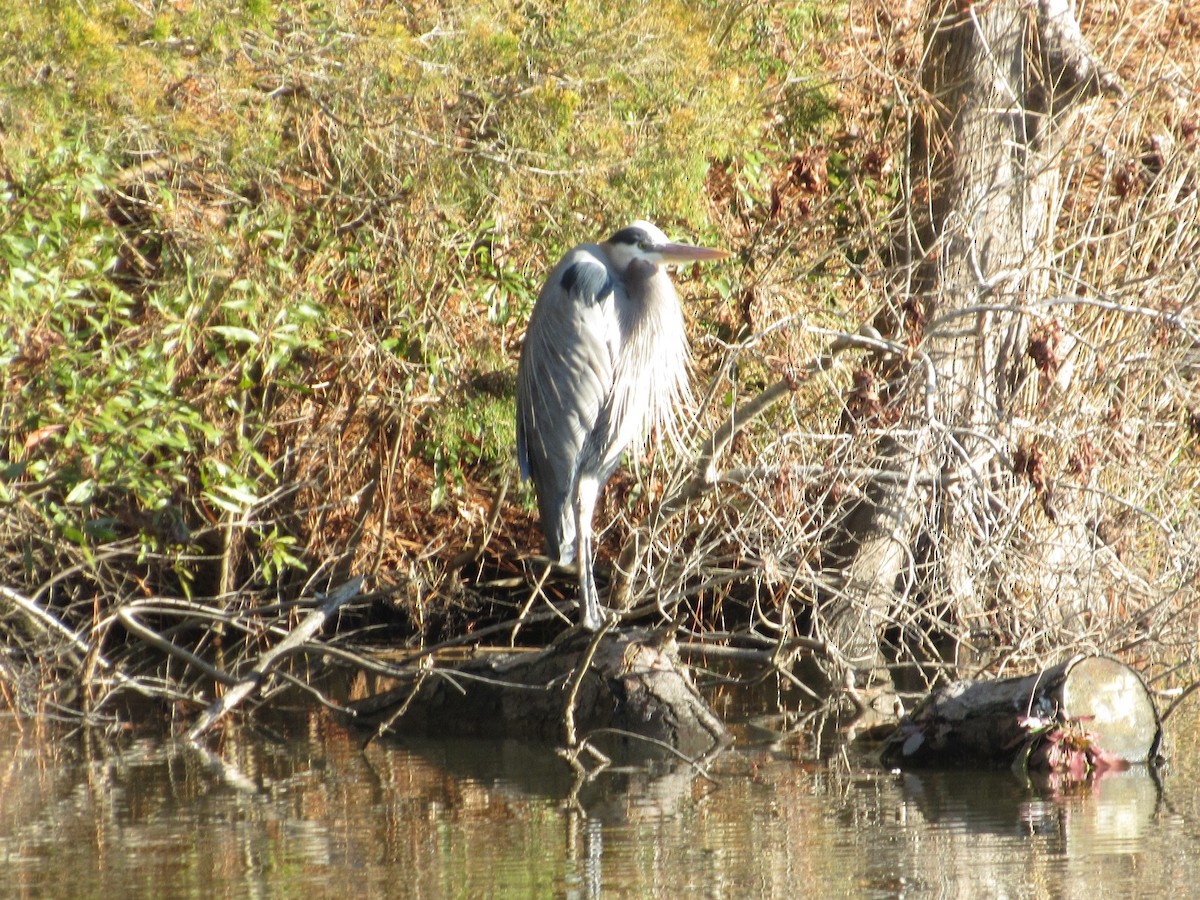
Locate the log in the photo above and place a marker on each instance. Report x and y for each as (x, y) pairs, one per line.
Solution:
(634, 699)
(1088, 714)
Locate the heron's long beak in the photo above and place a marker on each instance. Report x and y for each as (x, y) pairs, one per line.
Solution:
(683, 253)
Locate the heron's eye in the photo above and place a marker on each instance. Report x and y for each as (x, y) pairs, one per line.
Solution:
(643, 245)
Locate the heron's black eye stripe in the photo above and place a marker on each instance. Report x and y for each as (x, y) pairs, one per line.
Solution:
(630, 235)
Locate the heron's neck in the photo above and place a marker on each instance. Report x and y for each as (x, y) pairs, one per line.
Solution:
(651, 285)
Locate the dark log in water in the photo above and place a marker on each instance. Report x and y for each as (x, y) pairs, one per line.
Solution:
(633, 696)
(1088, 714)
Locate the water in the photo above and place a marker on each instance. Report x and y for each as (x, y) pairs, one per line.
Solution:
(317, 815)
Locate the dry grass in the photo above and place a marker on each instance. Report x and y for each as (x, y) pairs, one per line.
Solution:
(409, 172)
(1103, 444)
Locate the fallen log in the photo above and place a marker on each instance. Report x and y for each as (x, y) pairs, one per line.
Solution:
(1086, 715)
(622, 692)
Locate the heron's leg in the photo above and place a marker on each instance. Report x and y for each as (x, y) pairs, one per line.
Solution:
(591, 616)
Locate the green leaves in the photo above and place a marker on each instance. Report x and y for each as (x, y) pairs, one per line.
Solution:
(117, 407)
(234, 334)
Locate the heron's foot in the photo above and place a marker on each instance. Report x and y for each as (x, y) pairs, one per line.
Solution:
(593, 618)
(591, 613)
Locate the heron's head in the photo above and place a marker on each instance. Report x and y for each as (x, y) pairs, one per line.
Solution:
(645, 243)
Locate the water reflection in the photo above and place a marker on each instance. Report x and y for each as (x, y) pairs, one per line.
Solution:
(318, 815)
(1110, 815)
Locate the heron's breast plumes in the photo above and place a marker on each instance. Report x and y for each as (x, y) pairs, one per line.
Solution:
(652, 372)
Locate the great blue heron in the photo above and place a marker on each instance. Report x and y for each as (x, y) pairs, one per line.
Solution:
(605, 360)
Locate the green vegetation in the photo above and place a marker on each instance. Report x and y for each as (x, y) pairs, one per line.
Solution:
(266, 265)
(239, 233)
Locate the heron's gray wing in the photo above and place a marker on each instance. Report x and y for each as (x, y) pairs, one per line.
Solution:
(564, 378)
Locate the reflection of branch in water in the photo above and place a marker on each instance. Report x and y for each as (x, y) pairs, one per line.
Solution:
(228, 771)
(697, 763)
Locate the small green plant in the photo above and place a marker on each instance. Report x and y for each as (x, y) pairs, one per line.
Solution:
(119, 408)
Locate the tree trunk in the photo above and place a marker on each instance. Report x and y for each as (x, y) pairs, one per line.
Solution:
(633, 700)
(1078, 717)
(1000, 79)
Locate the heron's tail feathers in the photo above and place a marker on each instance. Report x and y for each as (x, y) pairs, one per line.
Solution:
(559, 528)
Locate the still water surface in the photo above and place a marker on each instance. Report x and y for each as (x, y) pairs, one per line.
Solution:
(317, 815)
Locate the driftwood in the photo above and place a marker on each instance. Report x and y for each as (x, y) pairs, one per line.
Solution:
(1087, 714)
(622, 692)
(250, 684)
